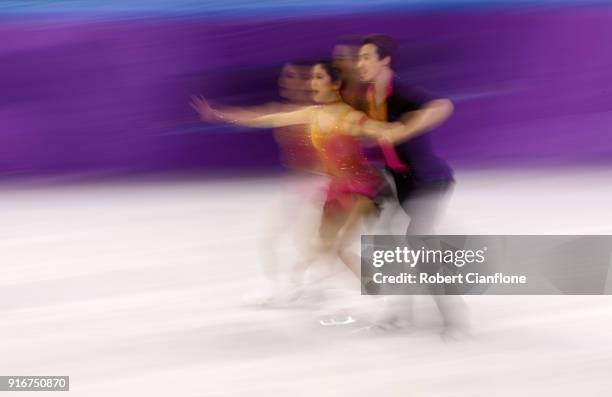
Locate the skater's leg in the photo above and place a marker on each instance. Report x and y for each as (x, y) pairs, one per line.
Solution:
(332, 220)
(361, 210)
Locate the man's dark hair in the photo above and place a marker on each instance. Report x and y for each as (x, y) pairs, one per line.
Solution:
(385, 45)
(353, 41)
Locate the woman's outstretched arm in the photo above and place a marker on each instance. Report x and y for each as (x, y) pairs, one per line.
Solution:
(250, 119)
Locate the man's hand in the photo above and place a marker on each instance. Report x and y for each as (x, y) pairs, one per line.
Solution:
(420, 121)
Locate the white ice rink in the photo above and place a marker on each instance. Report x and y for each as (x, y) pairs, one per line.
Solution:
(136, 289)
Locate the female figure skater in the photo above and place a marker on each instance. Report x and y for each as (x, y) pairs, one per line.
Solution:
(301, 160)
(334, 131)
(289, 224)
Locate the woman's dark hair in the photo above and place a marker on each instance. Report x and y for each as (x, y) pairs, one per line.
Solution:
(300, 62)
(329, 68)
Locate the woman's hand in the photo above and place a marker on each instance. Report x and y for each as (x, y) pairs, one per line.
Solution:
(206, 112)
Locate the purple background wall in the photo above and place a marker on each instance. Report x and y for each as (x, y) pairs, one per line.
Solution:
(530, 87)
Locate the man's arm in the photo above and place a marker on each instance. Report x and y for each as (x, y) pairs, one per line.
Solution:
(417, 122)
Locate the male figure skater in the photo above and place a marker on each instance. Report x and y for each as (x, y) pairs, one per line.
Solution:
(423, 181)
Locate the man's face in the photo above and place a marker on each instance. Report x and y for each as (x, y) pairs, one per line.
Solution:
(344, 57)
(369, 64)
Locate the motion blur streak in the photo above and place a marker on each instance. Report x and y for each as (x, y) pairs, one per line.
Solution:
(87, 95)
